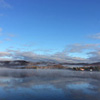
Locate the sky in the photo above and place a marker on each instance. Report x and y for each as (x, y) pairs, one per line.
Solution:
(58, 30)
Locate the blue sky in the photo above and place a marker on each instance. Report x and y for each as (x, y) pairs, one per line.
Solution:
(50, 25)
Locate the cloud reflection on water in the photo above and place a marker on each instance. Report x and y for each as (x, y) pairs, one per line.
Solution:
(49, 84)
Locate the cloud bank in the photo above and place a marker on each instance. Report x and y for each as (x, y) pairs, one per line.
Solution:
(63, 56)
(71, 54)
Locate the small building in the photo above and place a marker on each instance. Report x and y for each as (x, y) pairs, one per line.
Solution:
(81, 69)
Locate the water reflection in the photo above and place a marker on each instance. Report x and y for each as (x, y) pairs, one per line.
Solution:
(49, 85)
(85, 87)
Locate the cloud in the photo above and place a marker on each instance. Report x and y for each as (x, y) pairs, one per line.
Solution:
(3, 54)
(11, 35)
(6, 37)
(1, 14)
(31, 56)
(78, 48)
(63, 56)
(1, 42)
(95, 36)
(4, 4)
(0, 29)
(94, 56)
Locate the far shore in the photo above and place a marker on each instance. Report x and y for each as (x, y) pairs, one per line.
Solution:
(89, 68)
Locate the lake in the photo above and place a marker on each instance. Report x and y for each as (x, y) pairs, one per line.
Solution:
(49, 84)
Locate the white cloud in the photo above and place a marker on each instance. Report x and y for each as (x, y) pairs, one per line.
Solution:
(3, 54)
(11, 35)
(7, 39)
(78, 48)
(95, 36)
(0, 29)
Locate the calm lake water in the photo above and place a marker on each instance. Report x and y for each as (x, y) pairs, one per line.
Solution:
(27, 84)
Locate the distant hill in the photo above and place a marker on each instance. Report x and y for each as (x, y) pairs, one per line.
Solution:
(13, 63)
(41, 63)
